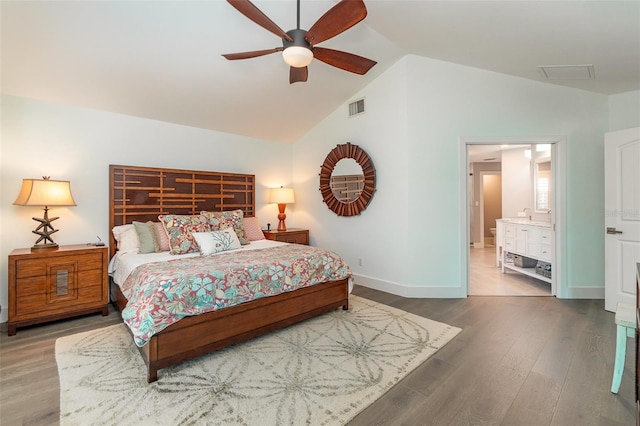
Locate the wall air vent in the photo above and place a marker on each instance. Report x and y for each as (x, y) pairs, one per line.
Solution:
(356, 107)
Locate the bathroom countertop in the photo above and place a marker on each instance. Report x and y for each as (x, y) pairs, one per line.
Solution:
(522, 221)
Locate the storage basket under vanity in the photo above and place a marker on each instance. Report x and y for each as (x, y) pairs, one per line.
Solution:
(543, 268)
(524, 261)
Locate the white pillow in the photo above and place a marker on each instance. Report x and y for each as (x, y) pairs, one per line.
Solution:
(126, 238)
(217, 241)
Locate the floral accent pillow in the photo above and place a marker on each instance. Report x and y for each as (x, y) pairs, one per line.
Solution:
(180, 229)
(231, 219)
(217, 241)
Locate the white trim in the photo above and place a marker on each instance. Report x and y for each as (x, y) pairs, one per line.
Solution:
(559, 286)
(443, 292)
(584, 293)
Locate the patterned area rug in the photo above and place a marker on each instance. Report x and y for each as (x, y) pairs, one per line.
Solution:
(323, 371)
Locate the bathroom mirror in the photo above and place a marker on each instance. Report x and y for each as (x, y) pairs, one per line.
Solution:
(347, 180)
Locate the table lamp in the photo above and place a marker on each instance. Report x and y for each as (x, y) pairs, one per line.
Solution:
(282, 197)
(45, 193)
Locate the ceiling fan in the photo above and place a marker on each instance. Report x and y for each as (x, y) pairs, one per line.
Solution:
(299, 46)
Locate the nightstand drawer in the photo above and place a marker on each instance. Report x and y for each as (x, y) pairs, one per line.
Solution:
(36, 267)
(34, 305)
(292, 235)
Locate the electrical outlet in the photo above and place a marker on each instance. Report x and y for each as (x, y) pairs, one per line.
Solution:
(360, 261)
(522, 214)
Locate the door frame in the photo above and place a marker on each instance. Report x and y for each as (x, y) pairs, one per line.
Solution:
(558, 213)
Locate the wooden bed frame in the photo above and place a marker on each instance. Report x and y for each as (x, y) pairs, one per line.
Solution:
(143, 193)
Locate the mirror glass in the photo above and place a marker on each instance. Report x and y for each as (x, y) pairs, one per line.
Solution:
(347, 180)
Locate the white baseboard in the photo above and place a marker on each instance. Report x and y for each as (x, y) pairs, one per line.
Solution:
(403, 290)
(4, 313)
(582, 293)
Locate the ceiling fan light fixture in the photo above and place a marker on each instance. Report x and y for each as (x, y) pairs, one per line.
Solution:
(297, 56)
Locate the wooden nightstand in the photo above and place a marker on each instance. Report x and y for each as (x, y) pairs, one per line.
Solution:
(291, 235)
(46, 285)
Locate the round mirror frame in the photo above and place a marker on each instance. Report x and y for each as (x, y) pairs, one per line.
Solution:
(353, 208)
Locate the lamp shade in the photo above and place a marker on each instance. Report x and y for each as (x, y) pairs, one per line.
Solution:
(281, 196)
(297, 56)
(45, 193)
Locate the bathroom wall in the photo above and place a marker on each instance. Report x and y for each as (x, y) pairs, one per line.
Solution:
(492, 201)
(516, 182)
(476, 170)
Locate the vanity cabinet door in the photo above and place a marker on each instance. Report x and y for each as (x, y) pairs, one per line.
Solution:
(522, 237)
(533, 242)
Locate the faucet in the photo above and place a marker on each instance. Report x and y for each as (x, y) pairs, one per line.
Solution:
(525, 211)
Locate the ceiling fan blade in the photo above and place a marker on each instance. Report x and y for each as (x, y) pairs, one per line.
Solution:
(298, 74)
(251, 11)
(253, 54)
(343, 60)
(339, 18)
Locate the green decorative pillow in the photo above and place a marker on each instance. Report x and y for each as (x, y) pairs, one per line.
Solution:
(180, 229)
(147, 236)
(230, 219)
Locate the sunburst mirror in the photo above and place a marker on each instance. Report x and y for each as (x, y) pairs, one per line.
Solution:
(347, 180)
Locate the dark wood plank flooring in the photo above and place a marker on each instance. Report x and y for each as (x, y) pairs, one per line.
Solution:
(518, 361)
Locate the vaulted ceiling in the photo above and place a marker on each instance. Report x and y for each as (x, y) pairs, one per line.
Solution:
(162, 59)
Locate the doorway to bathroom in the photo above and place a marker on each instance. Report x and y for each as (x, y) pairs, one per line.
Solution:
(515, 181)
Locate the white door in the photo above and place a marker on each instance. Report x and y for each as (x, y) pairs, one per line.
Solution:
(621, 215)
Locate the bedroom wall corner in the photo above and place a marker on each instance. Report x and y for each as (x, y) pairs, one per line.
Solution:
(448, 101)
(77, 144)
(624, 110)
(378, 236)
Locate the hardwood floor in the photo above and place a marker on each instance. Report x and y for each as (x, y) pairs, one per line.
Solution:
(485, 279)
(518, 361)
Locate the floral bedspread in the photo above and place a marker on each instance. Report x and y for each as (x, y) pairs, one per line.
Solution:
(161, 293)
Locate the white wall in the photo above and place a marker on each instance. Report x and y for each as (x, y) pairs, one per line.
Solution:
(516, 182)
(409, 238)
(76, 144)
(624, 110)
(410, 235)
(379, 235)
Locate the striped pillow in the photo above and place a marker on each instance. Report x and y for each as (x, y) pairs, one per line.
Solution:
(252, 229)
(163, 238)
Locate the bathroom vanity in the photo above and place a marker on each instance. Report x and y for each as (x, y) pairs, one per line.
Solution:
(527, 238)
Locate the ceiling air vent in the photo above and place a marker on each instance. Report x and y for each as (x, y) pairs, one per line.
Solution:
(567, 72)
(356, 107)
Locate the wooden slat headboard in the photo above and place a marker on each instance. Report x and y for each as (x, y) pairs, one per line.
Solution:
(142, 193)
